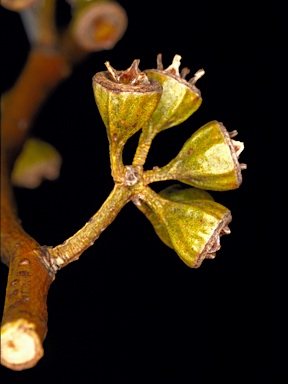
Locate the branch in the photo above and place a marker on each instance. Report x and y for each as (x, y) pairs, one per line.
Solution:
(24, 323)
(73, 247)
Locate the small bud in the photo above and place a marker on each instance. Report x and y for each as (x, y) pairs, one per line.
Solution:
(125, 99)
(37, 161)
(193, 228)
(208, 160)
(97, 24)
(180, 98)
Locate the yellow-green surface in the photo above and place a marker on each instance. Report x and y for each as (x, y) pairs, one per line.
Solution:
(206, 161)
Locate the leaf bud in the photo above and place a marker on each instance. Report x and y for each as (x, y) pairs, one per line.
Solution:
(208, 160)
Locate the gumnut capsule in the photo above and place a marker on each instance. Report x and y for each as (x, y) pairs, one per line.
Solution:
(194, 227)
(180, 98)
(177, 192)
(125, 99)
(173, 193)
(97, 24)
(208, 160)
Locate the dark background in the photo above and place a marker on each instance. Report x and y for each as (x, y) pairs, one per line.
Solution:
(129, 309)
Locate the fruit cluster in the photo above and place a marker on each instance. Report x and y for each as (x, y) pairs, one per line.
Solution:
(186, 219)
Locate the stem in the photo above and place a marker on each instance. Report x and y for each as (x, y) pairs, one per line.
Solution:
(151, 198)
(145, 141)
(116, 160)
(73, 247)
(47, 33)
(42, 73)
(24, 322)
(160, 174)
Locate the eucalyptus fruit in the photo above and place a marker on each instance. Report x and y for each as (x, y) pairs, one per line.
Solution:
(208, 160)
(126, 101)
(193, 226)
(179, 100)
(174, 193)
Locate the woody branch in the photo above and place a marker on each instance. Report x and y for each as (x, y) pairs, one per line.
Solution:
(50, 61)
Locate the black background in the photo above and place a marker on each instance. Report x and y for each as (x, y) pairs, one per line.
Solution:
(129, 310)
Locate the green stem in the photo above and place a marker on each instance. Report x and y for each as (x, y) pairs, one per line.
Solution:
(151, 198)
(143, 147)
(116, 161)
(73, 247)
(159, 174)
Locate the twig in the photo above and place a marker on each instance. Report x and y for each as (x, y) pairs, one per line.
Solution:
(31, 269)
(73, 247)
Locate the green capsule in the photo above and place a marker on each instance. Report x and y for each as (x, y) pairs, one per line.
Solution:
(125, 99)
(208, 160)
(182, 194)
(180, 98)
(192, 227)
(173, 193)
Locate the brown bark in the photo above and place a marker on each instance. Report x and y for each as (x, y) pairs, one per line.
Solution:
(24, 323)
(25, 310)
(31, 267)
(43, 71)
